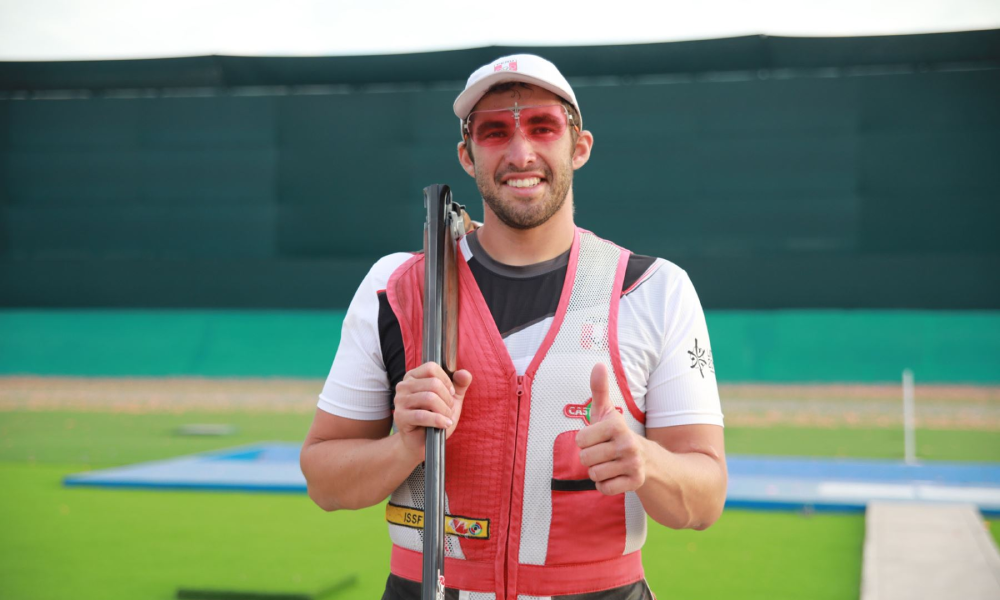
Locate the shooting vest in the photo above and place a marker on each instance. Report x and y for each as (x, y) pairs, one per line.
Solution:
(523, 518)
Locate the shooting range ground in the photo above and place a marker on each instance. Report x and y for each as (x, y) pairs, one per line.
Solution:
(84, 390)
(51, 427)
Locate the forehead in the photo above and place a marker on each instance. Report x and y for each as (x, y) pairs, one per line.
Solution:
(522, 94)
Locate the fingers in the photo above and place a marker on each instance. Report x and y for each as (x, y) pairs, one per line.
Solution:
(600, 453)
(424, 419)
(628, 464)
(600, 392)
(430, 389)
(597, 433)
(426, 397)
(617, 485)
(430, 369)
(614, 466)
(613, 454)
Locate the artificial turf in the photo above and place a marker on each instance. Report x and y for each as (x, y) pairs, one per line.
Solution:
(78, 543)
(71, 543)
(100, 439)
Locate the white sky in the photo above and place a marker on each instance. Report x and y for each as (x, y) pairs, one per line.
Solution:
(104, 29)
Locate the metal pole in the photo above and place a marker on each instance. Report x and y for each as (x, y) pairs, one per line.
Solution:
(909, 419)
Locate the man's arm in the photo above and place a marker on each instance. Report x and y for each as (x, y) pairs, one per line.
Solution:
(353, 464)
(678, 472)
(685, 483)
(349, 463)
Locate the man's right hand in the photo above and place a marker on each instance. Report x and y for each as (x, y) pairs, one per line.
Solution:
(427, 398)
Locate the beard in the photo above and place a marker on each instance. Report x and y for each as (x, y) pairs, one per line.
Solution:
(526, 214)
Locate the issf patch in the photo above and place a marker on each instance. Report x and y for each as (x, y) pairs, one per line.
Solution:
(467, 527)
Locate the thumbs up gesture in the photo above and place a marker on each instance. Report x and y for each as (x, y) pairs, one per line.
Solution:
(613, 454)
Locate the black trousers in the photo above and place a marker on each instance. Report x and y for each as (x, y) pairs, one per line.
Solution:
(397, 588)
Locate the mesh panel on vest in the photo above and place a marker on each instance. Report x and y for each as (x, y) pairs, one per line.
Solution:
(563, 377)
(411, 494)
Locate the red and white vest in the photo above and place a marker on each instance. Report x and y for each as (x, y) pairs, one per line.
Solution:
(518, 525)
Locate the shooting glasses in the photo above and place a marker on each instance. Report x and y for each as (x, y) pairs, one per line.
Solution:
(544, 124)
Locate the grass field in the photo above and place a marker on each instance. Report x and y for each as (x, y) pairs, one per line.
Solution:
(78, 543)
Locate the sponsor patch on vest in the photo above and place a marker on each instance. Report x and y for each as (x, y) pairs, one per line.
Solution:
(477, 529)
(582, 411)
(594, 334)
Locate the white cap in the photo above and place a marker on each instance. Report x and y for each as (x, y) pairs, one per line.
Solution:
(517, 67)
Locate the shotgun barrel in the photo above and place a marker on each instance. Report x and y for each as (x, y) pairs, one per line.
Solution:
(439, 345)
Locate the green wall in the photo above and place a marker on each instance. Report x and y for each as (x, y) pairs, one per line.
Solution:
(780, 173)
(779, 346)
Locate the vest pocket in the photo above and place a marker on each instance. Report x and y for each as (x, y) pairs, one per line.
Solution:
(586, 525)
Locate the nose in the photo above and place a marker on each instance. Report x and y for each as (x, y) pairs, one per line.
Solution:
(520, 151)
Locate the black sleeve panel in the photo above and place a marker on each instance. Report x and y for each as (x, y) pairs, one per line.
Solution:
(391, 340)
(637, 267)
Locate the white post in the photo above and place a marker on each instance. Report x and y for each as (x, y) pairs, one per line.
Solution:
(909, 419)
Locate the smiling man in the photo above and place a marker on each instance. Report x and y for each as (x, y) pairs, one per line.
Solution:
(585, 397)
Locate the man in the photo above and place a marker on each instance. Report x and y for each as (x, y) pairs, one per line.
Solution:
(585, 397)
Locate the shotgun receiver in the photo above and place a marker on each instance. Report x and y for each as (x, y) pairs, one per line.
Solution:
(446, 223)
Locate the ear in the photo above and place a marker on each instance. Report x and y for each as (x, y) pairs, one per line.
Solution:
(581, 152)
(466, 160)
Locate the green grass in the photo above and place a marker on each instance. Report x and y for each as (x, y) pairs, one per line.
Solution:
(932, 444)
(759, 556)
(106, 439)
(98, 439)
(72, 543)
(79, 543)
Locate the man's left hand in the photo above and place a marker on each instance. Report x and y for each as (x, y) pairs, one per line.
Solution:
(614, 455)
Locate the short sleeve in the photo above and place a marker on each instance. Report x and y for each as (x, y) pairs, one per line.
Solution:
(682, 389)
(358, 386)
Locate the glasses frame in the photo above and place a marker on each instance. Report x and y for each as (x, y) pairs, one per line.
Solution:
(517, 118)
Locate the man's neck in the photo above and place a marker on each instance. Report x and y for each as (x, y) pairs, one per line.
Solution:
(520, 247)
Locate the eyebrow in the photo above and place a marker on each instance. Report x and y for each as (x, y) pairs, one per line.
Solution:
(538, 118)
(490, 123)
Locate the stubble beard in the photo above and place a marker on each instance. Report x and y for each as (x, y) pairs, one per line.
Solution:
(520, 214)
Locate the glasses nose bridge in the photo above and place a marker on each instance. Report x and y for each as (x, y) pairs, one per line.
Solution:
(517, 119)
(519, 149)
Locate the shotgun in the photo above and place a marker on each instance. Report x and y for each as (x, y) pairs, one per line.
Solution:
(446, 223)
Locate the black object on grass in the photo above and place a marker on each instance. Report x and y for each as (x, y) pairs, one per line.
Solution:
(195, 594)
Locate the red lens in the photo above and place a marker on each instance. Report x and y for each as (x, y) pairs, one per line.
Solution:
(537, 123)
(492, 127)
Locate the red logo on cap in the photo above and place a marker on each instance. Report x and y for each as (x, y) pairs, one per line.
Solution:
(510, 65)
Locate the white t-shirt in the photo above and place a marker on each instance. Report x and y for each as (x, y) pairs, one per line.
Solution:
(663, 340)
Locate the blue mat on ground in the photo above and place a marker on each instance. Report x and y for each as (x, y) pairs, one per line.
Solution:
(757, 482)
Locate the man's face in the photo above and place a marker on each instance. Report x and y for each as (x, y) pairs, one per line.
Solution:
(524, 182)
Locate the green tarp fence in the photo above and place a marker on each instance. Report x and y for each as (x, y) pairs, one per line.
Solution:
(867, 181)
(747, 346)
(728, 54)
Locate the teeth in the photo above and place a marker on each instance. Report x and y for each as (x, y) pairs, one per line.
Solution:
(523, 183)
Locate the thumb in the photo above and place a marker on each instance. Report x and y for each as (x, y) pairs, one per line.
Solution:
(462, 380)
(599, 387)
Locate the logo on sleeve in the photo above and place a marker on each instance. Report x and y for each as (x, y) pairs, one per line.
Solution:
(582, 411)
(701, 359)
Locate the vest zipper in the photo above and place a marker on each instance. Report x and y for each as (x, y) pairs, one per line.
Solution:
(506, 552)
